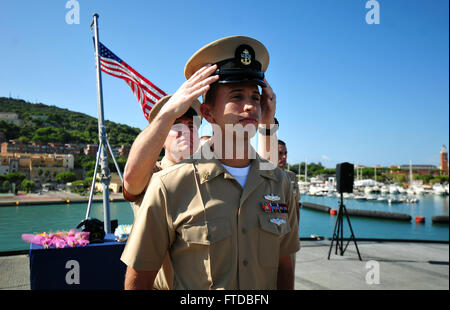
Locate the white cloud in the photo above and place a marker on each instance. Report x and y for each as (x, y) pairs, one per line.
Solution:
(325, 158)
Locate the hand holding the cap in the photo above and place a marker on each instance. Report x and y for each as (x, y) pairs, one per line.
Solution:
(268, 105)
(190, 90)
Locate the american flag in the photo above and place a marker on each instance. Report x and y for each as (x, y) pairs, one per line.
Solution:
(146, 92)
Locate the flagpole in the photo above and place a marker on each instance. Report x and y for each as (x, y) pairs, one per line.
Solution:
(91, 193)
(105, 176)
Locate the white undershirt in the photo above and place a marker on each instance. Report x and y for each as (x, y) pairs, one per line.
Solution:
(240, 174)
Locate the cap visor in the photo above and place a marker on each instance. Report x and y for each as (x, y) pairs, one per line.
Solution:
(254, 81)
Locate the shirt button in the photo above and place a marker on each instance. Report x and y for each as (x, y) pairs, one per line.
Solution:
(245, 262)
(244, 231)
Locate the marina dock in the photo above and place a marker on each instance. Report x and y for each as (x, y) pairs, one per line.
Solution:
(400, 266)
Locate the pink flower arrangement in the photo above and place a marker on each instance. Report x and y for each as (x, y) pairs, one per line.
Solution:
(59, 239)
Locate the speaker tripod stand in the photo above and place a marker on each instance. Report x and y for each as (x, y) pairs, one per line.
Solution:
(338, 233)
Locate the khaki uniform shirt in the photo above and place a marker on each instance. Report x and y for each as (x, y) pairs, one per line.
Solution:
(216, 234)
(137, 199)
(296, 192)
(293, 177)
(164, 278)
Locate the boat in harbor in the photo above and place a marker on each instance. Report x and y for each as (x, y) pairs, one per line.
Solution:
(418, 190)
(410, 191)
(393, 200)
(438, 189)
(371, 197)
(384, 190)
(360, 197)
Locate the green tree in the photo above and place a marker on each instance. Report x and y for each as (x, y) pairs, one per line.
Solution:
(426, 178)
(77, 187)
(62, 125)
(15, 178)
(6, 186)
(294, 168)
(66, 177)
(401, 178)
(27, 185)
(121, 161)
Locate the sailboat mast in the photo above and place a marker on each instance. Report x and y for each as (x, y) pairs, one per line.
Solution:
(410, 173)
(306, 170)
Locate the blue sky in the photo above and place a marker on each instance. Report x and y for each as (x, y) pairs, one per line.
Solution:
(346, 90)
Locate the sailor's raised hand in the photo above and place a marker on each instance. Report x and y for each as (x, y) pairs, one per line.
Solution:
(197, 85)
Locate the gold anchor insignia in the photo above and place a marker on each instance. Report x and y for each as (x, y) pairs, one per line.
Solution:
(205, 176)
(246, 57)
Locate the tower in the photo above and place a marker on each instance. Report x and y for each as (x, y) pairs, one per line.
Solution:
(444, 160)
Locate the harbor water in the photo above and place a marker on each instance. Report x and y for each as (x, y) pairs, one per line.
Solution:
(322, 224)
(14, 221)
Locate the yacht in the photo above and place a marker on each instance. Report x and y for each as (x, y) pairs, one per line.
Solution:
(384, 190)
(359, 197)
(410, 191)
(394, 200)
(368, 190)
(401, 190)
(393, 189)
(418, 190)
(438, 189)
(370, 197)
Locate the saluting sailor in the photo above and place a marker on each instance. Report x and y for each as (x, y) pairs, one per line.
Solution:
(177, 134)
(224, 222)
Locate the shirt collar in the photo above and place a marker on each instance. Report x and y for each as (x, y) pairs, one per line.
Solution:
(166, 162)
(208, 169)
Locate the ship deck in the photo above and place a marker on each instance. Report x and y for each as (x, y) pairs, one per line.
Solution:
(385, 265)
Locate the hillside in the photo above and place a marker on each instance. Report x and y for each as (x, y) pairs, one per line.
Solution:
(43, 123)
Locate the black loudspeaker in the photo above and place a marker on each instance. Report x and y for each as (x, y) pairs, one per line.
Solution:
(344, 177)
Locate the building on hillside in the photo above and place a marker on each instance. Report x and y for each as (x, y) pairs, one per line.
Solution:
(8, 165)
(419, 169)
(37, 167)
(124, 150)
(11, 117)
(115, 184)
(14, 146)
(118, 151)
(90, 149)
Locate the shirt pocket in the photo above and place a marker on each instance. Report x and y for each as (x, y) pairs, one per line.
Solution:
(210, 250)
(272, 227)
(207, 233)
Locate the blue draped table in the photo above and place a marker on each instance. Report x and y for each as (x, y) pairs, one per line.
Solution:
(93, 267)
